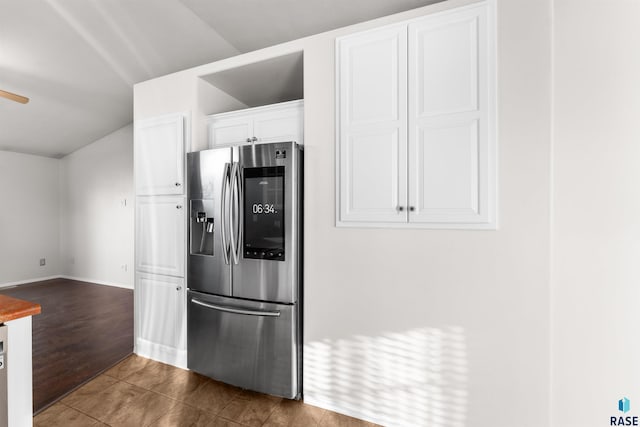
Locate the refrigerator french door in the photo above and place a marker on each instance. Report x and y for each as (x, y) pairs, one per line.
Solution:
(244, 266)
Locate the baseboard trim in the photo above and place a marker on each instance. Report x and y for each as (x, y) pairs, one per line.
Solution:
(22, 282)
(161, 353)
(331, 406)
(63, 276)
(96, 282)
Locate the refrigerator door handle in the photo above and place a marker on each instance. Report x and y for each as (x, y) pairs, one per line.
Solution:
(240, 211)
(237, 310)
(223, 213)
(235, 197)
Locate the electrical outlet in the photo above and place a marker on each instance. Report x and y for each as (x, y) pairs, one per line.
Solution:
(123, 203)
(124, 267)
(43, 261)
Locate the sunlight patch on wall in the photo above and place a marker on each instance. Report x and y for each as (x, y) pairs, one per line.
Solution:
(418, 377)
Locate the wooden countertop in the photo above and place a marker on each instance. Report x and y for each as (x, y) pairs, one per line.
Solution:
(13, 308)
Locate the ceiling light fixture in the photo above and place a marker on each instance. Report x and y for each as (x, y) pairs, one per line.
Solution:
(14, 97)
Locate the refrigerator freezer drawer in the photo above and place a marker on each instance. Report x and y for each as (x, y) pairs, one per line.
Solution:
(253, 345)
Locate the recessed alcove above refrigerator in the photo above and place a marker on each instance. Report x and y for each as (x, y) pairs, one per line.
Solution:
(266, 82)
(270, 81)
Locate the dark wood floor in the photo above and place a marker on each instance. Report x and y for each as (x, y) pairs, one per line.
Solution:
(83, 329)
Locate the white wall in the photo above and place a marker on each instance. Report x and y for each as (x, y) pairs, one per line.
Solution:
(29, 217)
(438, 328)
(596, 260)
(96, 226)
(423, 327)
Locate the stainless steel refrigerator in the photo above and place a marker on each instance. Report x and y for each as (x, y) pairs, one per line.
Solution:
(244, 279)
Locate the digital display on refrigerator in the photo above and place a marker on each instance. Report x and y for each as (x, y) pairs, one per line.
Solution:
(264, 213)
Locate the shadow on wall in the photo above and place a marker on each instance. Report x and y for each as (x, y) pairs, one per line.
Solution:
(418, 377)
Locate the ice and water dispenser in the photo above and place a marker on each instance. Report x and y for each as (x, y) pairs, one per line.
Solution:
(201, 228)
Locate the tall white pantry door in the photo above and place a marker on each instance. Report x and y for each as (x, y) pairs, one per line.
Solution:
(451, 142)
(372, 79)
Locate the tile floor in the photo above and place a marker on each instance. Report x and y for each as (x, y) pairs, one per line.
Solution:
(141, 392)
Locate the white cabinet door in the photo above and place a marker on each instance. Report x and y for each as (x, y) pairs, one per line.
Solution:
(451, 120)
(230, 131)
(279, 125)
(372, 93)
(159, 155)
(270, 123)
(160, 310)
(160, 235)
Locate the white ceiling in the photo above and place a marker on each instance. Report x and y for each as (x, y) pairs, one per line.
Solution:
(78, 59)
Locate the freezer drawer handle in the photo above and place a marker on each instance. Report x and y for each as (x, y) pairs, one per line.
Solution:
(237, 310)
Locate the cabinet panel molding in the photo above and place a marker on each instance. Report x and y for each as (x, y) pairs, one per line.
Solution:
(447, 164)
(372, 163)
(445, 65)
(159, 147)
(160, 318)
(160, 235)
(230, 131)
(160, 308)
(278, 126)
(372, 70)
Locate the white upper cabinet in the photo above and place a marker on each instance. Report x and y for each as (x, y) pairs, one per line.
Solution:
(283, 123)
(230, 130)
(159, 155)
(271, 123)
(373, 126)
(433, 164)
(160, 235)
